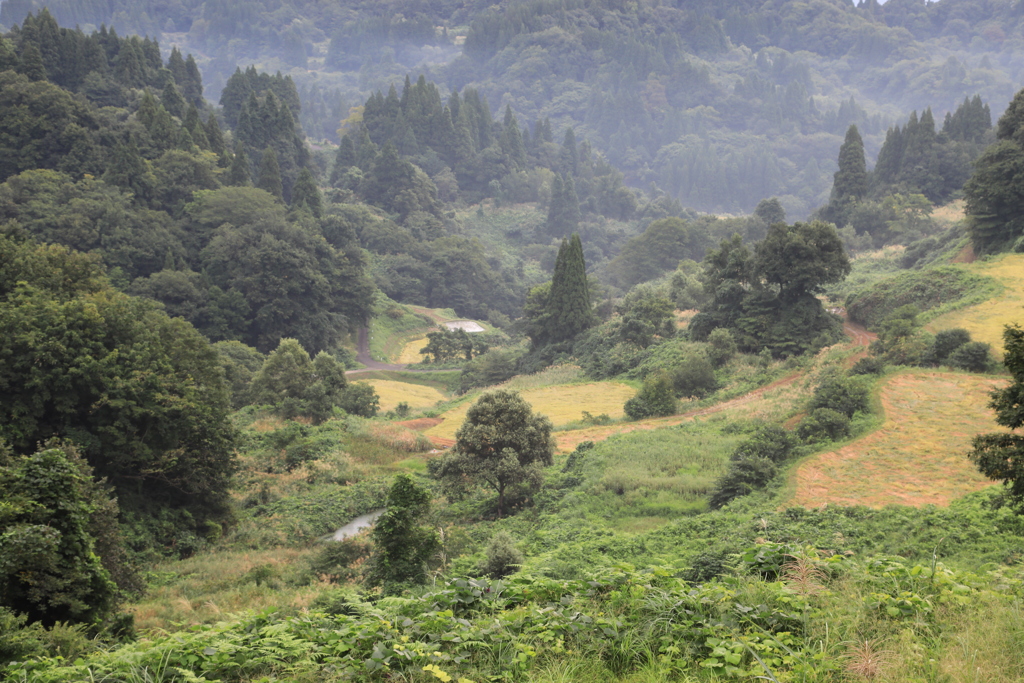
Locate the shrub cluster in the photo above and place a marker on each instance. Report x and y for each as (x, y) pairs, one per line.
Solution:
(753, 464)
(900, 342)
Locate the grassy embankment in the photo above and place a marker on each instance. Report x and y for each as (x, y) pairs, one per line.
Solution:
(395, 325)
(985, 320)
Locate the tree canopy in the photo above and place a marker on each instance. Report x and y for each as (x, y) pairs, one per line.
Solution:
(140, 393)
(49, 566)
(501, 444)
(766, 299)
(994, 195)
(1000, 456)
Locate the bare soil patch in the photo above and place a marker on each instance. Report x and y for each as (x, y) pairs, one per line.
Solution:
(422, 424)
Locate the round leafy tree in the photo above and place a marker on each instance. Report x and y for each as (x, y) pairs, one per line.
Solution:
(501, 445)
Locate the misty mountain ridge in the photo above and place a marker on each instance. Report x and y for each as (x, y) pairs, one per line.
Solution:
(717, 104)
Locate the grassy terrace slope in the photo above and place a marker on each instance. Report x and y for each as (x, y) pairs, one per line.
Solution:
(395, 326)
(918, 455)
(985, 320)
(561, 404)
(393, 392)
(411, 353)
(769, 403)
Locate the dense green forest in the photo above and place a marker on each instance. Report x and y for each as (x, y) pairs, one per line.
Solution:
(639, 442)
(718, 104)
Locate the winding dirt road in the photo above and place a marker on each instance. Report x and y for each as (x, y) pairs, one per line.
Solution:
(364, 357)
(570, 439)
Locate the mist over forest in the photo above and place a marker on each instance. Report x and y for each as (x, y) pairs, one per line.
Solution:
(718, 104)
(590, 341)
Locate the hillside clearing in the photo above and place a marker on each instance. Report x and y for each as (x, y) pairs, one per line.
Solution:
(768, 403)
(411, 353)
(985, 321)
(392, 393)
(561, 404)
(918, 457)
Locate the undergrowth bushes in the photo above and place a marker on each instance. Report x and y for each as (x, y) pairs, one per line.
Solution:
(789, 612)
(948, 287)
(755, 462)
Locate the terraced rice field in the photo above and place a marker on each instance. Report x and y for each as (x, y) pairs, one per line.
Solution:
(918, 457)
(769, 403)
(985, 321)
(392, 393)
(411, 352)
(562, 404)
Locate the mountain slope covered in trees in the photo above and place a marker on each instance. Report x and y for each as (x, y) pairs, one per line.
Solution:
(719, 104)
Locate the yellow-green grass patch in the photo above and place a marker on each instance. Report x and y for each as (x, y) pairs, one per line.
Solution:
(392, 393)
(556, 374)
(561, 404)
(985, 321)
(411, 352)
(770, 403)
(413, 464)
(918, 456)
(203, 589)
(950, 213)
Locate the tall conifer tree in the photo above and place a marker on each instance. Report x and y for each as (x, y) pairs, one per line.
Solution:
(569, 311)
(193, 85)
(851, 180)
(571, 207)
(238, 174)
(344, 160)
(31, 63)
(270, 174)
(306, 192)
(512, 140)
(556, 207)
(214, 135)
(570, 156)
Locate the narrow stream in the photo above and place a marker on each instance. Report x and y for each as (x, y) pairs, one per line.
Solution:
(356, 525)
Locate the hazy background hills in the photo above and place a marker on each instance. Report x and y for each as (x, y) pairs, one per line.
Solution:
(719, 104)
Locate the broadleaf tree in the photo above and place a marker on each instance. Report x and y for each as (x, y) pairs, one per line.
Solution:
(1000, 456)
(501, 445)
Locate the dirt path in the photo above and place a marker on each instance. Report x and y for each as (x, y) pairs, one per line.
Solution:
(859, 337)
(422, 424)
(569, 440)
(364, 357)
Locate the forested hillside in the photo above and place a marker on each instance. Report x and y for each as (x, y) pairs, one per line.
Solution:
(553, 340)
(720, 104)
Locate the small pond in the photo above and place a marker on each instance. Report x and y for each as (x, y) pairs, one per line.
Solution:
(356, 525)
